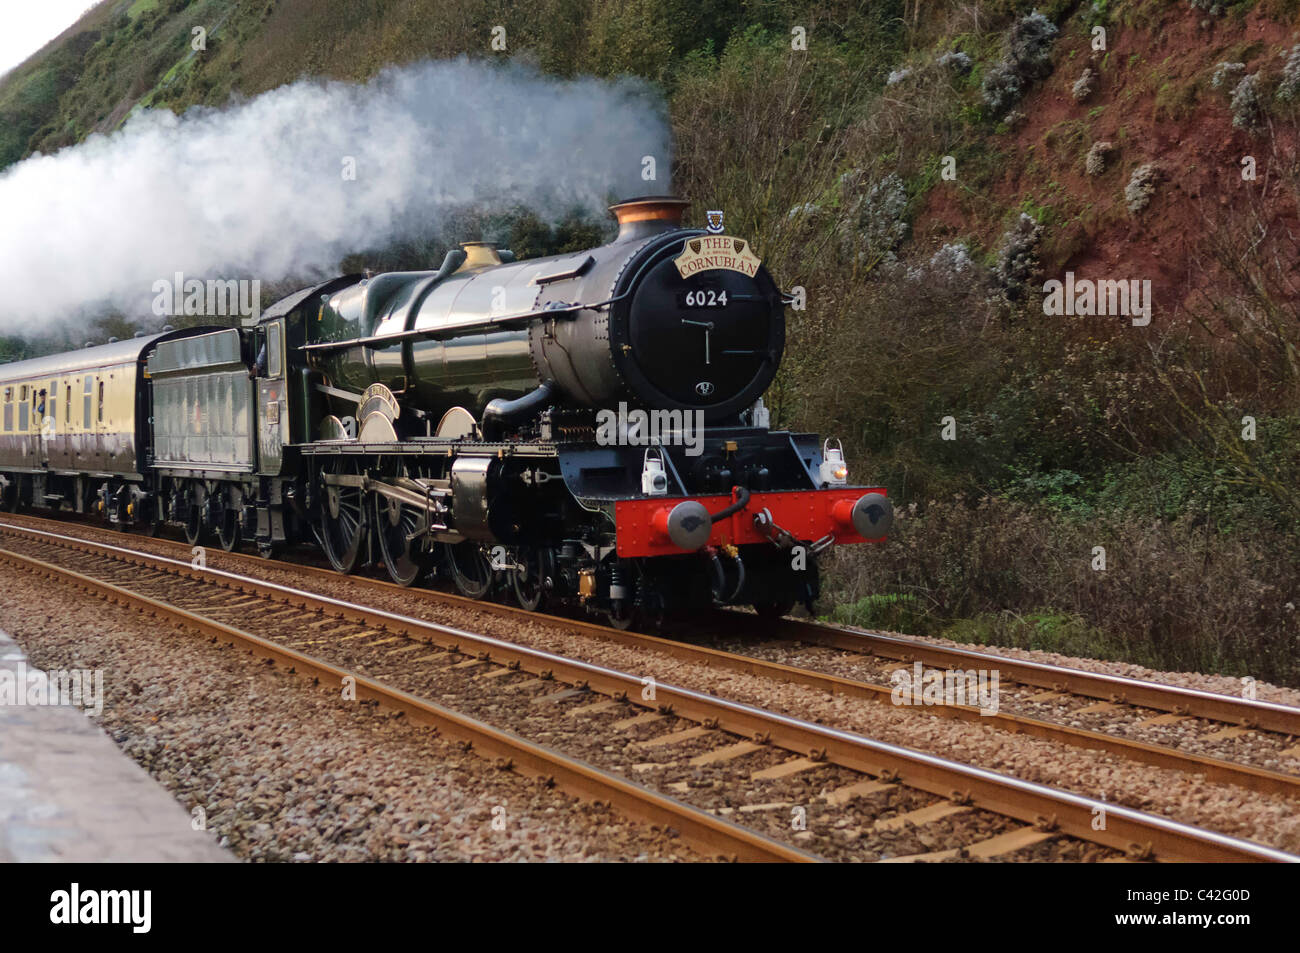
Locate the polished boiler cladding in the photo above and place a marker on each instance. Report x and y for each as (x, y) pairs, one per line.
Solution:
(586, 428)
(613, 323)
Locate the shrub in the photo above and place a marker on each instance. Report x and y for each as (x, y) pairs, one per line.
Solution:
(1029, 44)
(804, 212)
(1083, 86)
(1247, 110)
(1227, 75)
(1247, 107)
(950, 263)
(1289, 89)
(1027, 58)
(875, 222)
(1002, 87)
(956, 61)
(1141, 187)
(1018, 256)
(1172, 596)
(945, 351)
(1014, 119)
(1095, 163)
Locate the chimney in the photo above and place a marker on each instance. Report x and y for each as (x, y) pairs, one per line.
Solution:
(479, 255)
(639, 218)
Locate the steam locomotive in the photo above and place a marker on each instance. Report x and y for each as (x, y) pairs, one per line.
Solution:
(585, 428)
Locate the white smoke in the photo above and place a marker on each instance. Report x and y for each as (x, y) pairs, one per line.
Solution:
(257, 190)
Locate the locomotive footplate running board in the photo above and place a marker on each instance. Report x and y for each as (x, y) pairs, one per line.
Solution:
(806, 515)
(429, 446)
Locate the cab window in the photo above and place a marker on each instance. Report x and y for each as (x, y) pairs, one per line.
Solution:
(273, 349)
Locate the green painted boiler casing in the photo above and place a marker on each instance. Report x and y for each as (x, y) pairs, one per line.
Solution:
(482, 331)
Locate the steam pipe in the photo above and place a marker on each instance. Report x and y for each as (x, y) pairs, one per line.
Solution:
(740, 577)
(501, 413)
(719, 574)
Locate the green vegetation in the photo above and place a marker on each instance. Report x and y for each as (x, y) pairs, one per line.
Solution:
(1071, 434)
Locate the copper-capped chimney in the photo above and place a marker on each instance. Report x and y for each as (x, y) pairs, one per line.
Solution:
(638, 218)
(479, 255)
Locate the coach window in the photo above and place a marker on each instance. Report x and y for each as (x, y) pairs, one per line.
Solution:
(101, 402)
(85, 400)
(67, 404)
(22, 407)
(9, 409)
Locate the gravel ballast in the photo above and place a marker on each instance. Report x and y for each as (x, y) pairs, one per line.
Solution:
(284, 771)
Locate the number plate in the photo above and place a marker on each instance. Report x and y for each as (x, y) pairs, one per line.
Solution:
(707, 298)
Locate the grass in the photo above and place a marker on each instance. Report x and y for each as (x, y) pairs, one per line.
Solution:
(1046, 630)
(891, 611)
(1067, 138)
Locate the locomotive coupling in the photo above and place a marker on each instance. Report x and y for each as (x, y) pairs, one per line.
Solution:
(870, 516)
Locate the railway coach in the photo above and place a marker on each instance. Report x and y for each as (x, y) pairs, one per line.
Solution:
(75, 430)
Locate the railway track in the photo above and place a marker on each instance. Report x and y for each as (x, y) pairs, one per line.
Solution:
(1004, 814)
(1114, 689)
(1239, 714)
(708, 834)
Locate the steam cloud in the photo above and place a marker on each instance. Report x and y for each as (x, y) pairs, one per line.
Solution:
(257, 190)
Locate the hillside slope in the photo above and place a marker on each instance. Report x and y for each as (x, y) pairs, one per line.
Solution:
(920, 169)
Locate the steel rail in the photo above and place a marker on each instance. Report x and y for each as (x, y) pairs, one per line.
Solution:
(1214, 769)
(1121, 689)
(1136, 832)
